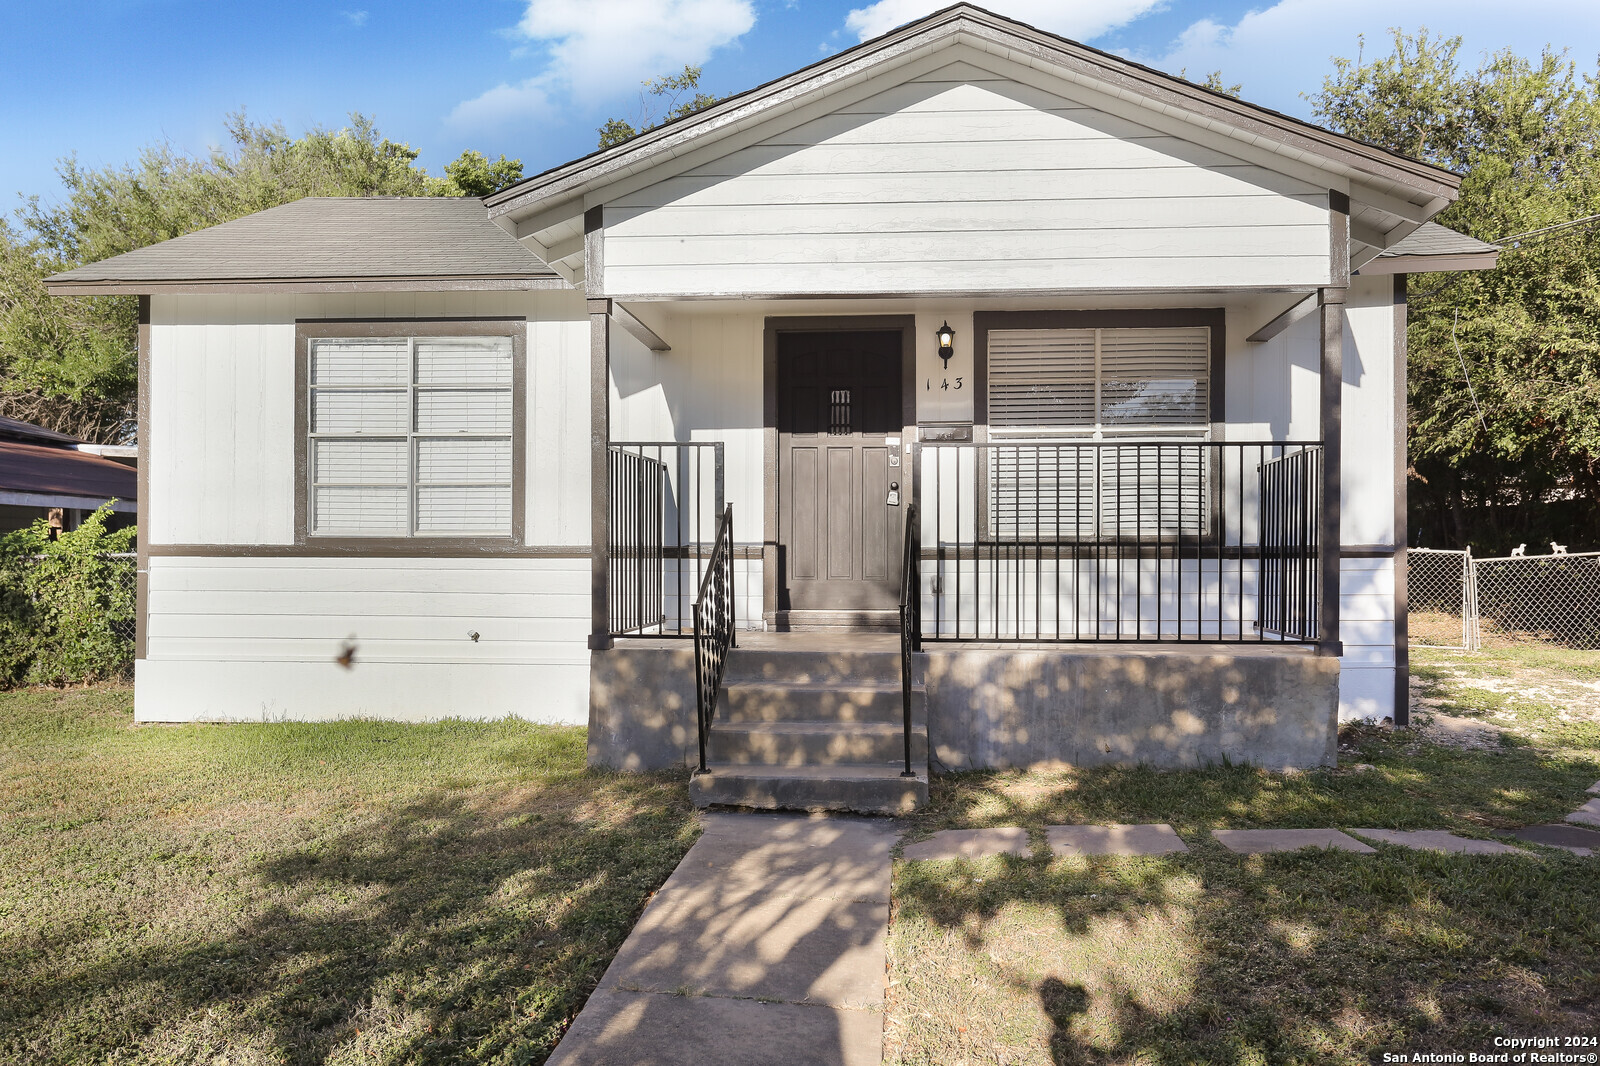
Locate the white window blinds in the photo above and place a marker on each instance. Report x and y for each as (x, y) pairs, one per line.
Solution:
(1099, 379)
(411, 436)
(1083, 391)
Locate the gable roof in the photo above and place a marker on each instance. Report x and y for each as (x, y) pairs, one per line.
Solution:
(336, 243)
(1249, 123)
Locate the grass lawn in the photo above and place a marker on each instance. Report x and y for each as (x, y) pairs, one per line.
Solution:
(1315, 956)
(340, 893)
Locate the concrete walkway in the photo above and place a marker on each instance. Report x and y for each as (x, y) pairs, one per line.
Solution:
(766, 945)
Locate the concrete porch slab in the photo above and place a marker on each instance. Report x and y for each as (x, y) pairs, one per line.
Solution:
(1571, 838)
(969, 844)
(1260, 841)
(1083, 840)
(652, 1029)
(1437, 840)
(1588, 814)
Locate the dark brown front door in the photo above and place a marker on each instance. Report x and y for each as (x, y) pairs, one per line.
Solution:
(839, 405)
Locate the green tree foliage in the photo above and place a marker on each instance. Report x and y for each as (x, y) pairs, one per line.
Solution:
(660, 100)
(1215, 83)
(71, 363)
(1515, 456)
(66, 610)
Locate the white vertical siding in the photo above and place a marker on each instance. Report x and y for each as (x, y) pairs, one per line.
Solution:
(242, 637)
(222, 408)
(962, 180)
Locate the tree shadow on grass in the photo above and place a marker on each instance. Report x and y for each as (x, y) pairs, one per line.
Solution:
(447, 929)
(1314, 956)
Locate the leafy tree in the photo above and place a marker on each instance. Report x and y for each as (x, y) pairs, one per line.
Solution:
(71, 363)
(1514, 455)
(1215, 83)
(664, 96)
(472, 174)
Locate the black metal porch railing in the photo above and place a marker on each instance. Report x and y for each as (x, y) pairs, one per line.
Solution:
(634, 540)
(1164, 540)
(667, 498)
(714, 623)
(1291, 487)
(910, 618)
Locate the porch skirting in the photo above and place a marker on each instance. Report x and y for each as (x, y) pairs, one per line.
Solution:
(994, 708)
(1004, 707)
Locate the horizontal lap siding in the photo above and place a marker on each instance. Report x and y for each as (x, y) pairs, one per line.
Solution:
(958, 181)
(214, 618)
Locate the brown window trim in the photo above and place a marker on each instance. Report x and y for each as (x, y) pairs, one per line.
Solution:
(1213, 318)
(309, 329)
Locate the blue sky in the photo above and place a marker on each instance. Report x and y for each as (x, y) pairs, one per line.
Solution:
(534, 78)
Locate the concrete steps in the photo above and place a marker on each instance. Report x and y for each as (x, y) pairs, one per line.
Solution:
(861, 789)
(806, 728)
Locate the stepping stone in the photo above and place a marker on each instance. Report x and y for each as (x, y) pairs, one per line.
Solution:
(1438, 840)
(1257, 841)
(970, 844)
(1567, 837)
(1588, 814)
(1072, 840)
(1594, 789)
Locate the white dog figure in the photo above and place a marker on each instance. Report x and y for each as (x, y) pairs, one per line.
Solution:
(1557, 549)
(1520, 549)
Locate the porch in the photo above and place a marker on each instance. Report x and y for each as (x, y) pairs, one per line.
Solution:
(1087, 561)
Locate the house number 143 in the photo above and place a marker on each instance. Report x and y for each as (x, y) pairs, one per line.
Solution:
(945, 386)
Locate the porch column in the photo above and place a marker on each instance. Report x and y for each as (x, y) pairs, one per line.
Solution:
(1331, 305)
(599, 473)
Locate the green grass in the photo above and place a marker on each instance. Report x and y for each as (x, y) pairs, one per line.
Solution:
(342, 892)
(1313, 956)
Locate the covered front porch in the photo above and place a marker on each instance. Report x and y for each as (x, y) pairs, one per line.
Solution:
(822, 572)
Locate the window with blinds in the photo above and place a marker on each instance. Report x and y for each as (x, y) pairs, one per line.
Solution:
(410, 436)
(1067, 404)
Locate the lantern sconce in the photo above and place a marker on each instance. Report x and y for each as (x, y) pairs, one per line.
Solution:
(947, 343)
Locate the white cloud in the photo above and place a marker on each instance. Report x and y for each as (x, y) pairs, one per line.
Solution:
(1285, 50)
(1082, 20)
(357, 19)
(600, 50)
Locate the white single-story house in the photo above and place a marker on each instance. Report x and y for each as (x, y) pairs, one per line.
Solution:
(1105, 368)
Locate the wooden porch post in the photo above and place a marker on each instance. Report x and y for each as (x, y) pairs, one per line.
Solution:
(1331, 303)
(599, 430)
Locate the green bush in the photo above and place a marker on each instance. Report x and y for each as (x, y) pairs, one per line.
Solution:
(67, 611)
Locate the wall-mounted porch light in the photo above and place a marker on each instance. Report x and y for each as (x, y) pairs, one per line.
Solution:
(947, 343)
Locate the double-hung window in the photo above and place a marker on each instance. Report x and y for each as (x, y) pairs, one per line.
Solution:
(410, 435)
(1065, 408)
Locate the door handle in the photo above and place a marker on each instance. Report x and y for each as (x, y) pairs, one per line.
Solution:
(894, 494)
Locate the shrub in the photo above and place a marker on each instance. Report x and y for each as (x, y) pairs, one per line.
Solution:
(67, 611)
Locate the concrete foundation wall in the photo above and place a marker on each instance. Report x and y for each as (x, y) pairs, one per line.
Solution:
(642, 706)
(1003, 708)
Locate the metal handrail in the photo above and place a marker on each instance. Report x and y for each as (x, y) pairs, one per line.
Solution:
(910, 619)
(714, 621)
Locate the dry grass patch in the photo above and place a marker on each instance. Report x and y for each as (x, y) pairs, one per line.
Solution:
(291, 893)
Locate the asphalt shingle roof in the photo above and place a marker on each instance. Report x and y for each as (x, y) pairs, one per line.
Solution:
(325, 238)
(1433, 239)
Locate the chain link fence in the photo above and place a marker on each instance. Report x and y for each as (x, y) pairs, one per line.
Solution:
(67, 617)
(1439, 598)
(1456, 601)
(1549, 599)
